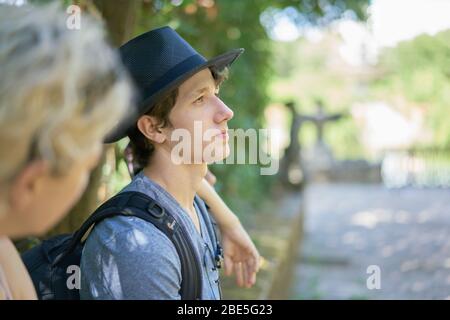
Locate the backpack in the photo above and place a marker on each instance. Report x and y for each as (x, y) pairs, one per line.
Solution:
(54, 264)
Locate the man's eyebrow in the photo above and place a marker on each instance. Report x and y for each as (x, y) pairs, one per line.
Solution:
(200, 90)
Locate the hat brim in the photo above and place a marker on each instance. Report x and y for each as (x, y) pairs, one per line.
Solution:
(129, 121)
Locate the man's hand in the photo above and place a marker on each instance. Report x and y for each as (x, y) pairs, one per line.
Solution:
(240, 255)
(210, 177)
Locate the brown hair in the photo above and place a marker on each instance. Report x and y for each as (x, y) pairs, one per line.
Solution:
(142, 148)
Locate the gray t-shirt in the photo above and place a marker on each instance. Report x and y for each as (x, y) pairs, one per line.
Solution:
(129, 258)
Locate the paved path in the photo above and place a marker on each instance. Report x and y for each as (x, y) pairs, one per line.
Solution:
(348, 227)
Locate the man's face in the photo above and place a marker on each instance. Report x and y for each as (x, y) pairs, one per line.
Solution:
(200, 112)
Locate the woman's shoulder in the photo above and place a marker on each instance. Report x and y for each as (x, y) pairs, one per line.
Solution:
(15, 282)
(5, 292)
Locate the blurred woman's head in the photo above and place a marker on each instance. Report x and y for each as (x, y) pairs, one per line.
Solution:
(61, 91)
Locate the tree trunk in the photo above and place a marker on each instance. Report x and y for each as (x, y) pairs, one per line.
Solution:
(120, 18)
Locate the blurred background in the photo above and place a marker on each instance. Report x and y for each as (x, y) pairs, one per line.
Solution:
(355, 94)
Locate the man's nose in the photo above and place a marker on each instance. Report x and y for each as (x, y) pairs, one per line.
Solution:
(224, 113)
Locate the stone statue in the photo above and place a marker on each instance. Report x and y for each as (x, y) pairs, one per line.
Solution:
(291, 171)
(320, 119)
(320, 157)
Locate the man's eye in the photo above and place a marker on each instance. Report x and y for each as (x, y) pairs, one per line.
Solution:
(199, 99)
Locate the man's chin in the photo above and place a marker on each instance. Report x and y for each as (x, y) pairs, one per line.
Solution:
(221, 155)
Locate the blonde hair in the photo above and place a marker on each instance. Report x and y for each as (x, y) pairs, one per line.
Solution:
(61, 90)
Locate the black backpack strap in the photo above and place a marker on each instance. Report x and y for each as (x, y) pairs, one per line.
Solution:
(140, 205)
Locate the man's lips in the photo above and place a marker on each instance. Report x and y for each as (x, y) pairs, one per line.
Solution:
(222, 134)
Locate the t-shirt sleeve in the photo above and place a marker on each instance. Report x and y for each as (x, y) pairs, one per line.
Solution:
(137, 263)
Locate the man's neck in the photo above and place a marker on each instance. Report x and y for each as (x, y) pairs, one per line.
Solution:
(181, 181)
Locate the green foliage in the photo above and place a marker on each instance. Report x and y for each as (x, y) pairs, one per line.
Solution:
(418, 70)
(304, 74)
(307, 13)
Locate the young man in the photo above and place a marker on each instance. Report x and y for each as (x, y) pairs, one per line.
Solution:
(126, 257)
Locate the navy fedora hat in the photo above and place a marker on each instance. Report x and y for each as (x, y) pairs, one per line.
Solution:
(159, 61)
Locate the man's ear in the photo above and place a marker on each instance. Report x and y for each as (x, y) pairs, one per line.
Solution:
(26, 184)
(150, 128)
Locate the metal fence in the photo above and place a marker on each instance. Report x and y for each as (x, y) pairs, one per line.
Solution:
(419, 167)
